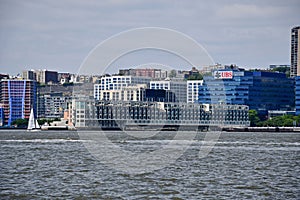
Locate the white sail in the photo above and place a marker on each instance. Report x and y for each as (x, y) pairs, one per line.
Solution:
(37, 124)
(32, 123)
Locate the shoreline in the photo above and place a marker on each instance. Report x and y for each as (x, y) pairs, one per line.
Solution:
(224, 129)
(261, 129)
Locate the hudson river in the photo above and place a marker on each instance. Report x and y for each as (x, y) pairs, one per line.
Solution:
(57, 165)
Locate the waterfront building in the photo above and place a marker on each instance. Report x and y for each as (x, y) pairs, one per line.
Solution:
(83, 111)
(193, 90)
(117, 82)
(122, 114)
(53, 99)
(178, 87)
(276, 113)
(295, 51)
(261, 91)
(1, 116)
(52, 105)
(17, 99)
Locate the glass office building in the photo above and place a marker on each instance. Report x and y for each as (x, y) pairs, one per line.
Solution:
(261, 91)
(1, 116)
(297, 94)
(17, 99)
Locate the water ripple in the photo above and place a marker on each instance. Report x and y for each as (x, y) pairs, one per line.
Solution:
(240, 166)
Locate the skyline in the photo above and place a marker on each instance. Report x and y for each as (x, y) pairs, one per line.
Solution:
(58, 36)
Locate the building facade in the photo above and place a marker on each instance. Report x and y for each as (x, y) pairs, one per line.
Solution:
(155, 114)
(193, 90)
(17, 99)
(159, 95)
(261, 91)
(4, 76)
(295, 52)
(53, 105)
(297, 95)
(83, 112)
(41, 76)
(117, 83)
(127, 93)
(29, 74)
(145, 72)
(45, 76)
(1, 116)
(179, 88)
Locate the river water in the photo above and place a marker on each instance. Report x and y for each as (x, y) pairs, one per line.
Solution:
(57, 165)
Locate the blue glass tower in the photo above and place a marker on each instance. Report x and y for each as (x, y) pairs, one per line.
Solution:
(17, 99)
(1, 116)
(261, 91)
(297, 94)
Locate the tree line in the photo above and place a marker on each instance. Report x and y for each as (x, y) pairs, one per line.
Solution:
(278, 121)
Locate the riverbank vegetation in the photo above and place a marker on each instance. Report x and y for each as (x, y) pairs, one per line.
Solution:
(278, 121)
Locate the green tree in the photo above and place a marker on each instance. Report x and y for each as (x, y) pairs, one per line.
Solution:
(284, 120)
(285, 70)
(20, 122)
(253, 117)
(197, 76)
(173, 73)
(42, 121)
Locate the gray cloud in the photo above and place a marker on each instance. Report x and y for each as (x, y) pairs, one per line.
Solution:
(59, 35)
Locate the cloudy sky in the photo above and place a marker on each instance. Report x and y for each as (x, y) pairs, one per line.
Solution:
(58, 35)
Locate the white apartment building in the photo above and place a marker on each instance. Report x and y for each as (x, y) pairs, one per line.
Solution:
(179, 88)
(113, 83)
(193, 90)
(129, 93)
(83, 111)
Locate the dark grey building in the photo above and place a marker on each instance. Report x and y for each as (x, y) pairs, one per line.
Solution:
(295, 51)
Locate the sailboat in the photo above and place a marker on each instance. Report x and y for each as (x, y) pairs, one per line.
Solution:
(33, 123)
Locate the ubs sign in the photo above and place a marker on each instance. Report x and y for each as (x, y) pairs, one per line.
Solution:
(223, 74)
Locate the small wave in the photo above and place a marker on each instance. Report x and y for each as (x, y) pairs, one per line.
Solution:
(259, 148)
(261, 143)
(43, 140)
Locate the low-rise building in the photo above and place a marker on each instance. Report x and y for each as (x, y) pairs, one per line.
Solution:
(179, 88)
(112, 114)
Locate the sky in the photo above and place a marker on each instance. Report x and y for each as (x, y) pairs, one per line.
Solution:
(58, 35)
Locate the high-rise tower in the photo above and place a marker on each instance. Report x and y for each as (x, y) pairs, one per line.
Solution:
(17, 99)
(295, 51)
